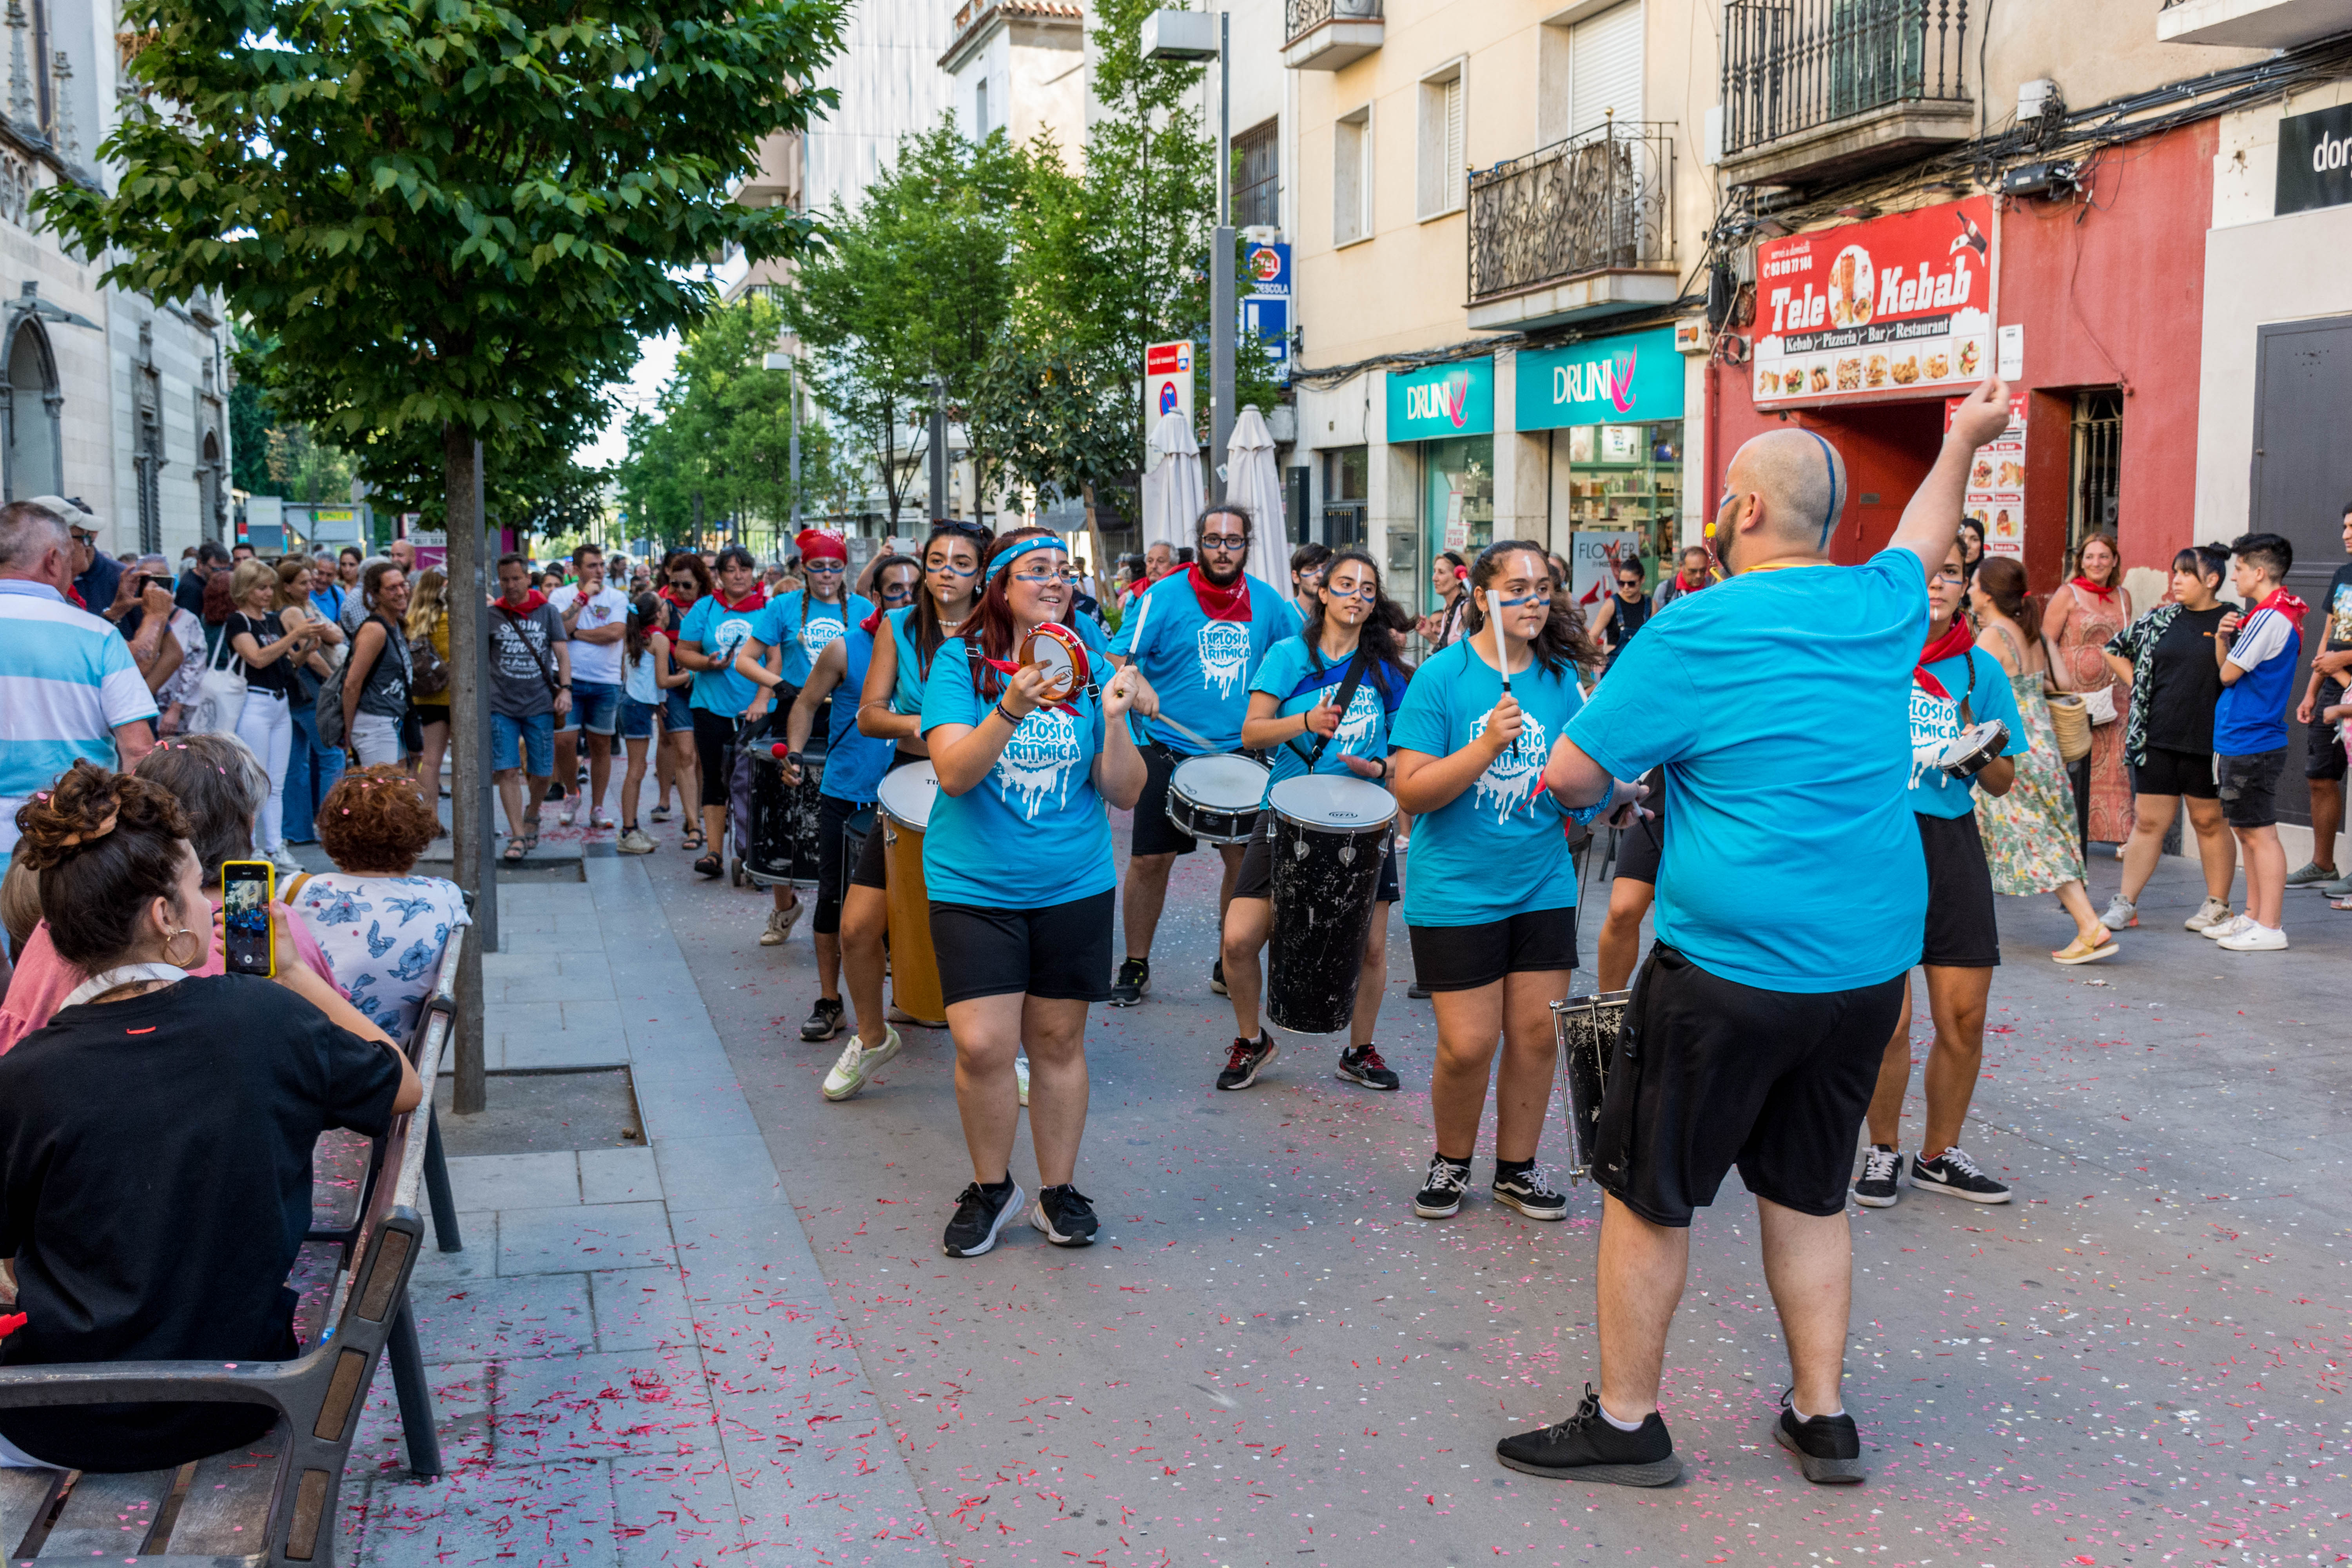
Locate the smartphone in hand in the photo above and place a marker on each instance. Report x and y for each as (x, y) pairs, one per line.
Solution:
(246, 889)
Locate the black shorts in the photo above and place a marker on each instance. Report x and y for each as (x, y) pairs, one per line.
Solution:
(714, 739)
(1708, 1074)
(1639, 849)
(1058, 952)
(2167, 772)
(1464, 958)
(2324, 758)
(1154, 834)
(2248, 788)
(834, 818)
(1256, 879)
(1962, 931)
(869, 870)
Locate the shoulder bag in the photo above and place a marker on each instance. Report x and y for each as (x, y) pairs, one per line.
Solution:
(220, 698)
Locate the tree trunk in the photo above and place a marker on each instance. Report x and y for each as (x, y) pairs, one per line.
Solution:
(470, 788)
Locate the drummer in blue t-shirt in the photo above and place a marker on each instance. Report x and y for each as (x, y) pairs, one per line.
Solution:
(1295, 714)
(1203, 632)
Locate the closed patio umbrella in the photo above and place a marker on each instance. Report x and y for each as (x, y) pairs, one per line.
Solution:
(1253, 481)
(1172, 483)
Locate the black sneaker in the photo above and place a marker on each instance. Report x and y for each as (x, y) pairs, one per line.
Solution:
(823, 1021)
(1417, 992)
(977, 1219)
(1524, 1191)
(1828, 1447)
(1882, 1171)
(554, 791)
(1363, 1065)
(1134, 982)
(1953, 1171)
(1217, 979)
(1065, 1217)
(1440, 1194)
(1586, 1447)
(1246, 1060)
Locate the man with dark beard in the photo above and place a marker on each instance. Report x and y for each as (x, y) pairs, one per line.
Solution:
(1203, 631)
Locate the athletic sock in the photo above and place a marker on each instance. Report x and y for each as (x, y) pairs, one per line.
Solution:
(1803, 1417)
(1614, 1421)
(1505, 1169)
(998, 1191)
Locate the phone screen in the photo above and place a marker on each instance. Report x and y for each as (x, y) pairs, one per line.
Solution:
(245, 909)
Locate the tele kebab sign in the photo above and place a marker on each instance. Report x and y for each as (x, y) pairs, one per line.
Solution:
(1901, 303)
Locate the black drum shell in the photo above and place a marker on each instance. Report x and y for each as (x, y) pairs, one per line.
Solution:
(1587, 1027)
(1212, 824)
(785, 821)
(1322, 911)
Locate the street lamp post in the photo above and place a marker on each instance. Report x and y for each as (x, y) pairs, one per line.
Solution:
(1196, 36)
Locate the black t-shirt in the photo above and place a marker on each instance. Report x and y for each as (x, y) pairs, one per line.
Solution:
(2338, 606)
(2185, 682)
(154, 1190)
(278, 674)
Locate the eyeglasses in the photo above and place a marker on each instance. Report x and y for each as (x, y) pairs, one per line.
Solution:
(1048, 574)
(83, 536)
(1224, 541)
(1629, 582)
(830, 568)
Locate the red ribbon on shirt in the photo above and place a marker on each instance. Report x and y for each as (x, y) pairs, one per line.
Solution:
(1954, 644)
(1220, 603)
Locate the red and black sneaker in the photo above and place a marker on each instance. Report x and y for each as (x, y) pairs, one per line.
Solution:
(1246, 1060)
(1363, 1065)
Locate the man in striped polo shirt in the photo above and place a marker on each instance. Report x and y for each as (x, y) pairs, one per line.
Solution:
(69, 687)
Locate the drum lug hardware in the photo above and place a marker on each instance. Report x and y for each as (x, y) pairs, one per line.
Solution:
(1347, 854)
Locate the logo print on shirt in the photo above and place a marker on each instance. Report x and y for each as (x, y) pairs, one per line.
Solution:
(1037, 763)
(1360, 723)
(728, 635)
(1511, 778)
(819, 634)
(1933, 720)
(1224, 654)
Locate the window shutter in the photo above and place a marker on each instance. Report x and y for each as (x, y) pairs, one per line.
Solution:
(1604, 69)
(1451, 184)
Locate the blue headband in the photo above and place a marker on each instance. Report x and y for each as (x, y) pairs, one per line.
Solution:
(1027, 546)
(1828, 461)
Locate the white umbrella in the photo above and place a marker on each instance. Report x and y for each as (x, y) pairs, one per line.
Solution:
(1253, 481)
(1172, 482)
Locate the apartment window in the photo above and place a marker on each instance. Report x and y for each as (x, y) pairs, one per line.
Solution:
(1257, 170)
(980, 109)
(1589, 72)
(1346, 475)
(1439, 187)
(1351, 177)
(2098, 466)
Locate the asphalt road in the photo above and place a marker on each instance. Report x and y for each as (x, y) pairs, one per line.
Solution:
(1269, 1359)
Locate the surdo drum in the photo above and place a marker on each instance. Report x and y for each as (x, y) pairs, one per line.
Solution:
(1217, 798)
(1329, 837)
(784, 838)
(905, 806)
(1586, 1028)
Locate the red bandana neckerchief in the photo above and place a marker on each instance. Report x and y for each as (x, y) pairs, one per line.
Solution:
(1954, 644)
(1220, 603)
(531, 601)
(2286, 604)
(2083, 584)
(757, 600)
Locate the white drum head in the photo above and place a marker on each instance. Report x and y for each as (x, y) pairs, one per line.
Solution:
(905, 795)
(1057, 652)
(1222, 783)
(1341, 804)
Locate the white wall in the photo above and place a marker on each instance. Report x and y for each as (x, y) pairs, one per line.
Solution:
(890, 83)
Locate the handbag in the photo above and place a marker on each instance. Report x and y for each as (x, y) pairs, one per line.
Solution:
(428, 671)
(220, 698)
(2099, 703)
(2073, 725)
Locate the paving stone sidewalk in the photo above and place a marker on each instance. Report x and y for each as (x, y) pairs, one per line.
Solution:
(634, 1359)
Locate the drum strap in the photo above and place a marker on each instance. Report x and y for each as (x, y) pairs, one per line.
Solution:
(1356, 666)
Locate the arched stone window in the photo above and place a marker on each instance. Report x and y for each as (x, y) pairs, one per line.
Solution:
(32, 409)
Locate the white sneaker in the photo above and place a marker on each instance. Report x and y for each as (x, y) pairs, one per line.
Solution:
(635, 841)
(1021, 1076)
(2227, 928)
(780, 925)
(283, 859)
(857, 1064)
(2122, 914)
(571, 809)
(2255, 939)
(2213, 912)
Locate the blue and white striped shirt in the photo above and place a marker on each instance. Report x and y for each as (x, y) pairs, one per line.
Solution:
(67, 680)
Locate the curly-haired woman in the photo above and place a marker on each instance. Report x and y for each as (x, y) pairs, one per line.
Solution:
(381, 928)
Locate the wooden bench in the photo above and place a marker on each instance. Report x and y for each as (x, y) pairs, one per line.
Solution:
(273, 1503)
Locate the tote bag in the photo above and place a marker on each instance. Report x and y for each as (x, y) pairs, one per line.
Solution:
(221, 698)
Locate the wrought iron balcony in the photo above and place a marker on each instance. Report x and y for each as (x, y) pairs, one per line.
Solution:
(1815, 88)
(1582, 227)
(1324, 35)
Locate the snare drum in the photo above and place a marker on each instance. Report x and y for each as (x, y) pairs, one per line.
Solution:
(1329, 839)
(906, 795)
(1217, 798)
(1586, 1028)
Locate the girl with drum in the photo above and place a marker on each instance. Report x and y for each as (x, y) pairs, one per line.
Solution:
(1491, 903)
(1327, 696)
(1018, 859)
(854, 765)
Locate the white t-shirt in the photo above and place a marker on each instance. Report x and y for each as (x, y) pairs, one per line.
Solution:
(596, 663)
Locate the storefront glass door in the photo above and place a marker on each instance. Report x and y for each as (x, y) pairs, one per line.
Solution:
(1625, 484)
(1457, 499)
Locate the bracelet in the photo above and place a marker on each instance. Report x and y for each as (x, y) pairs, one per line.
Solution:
(1006, 714)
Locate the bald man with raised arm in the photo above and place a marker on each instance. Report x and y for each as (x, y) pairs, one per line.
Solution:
(1791, 899)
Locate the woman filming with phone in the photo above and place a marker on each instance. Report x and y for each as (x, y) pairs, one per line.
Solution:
(144, 1130)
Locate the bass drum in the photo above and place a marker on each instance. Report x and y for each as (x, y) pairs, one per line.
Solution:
(1330, 838)
(1216, 799)
(904, 803)
(1586, 1028)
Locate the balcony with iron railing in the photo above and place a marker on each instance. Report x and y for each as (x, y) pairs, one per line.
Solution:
(2252, 23)
(1325, 34)
(1815, 90)
(1581, 228)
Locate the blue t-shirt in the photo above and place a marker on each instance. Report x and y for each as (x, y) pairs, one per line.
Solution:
(719, 632)
(1935, 719)
(1033, 833)
(2250, 716)
(907, 685)
(802, 626)
(855, 760)
(1500, 847)
(1289, 673)
(1779, 703)
(1201, 667)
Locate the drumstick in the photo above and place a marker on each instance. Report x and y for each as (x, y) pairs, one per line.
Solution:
(1502, 659)
(1193, 735)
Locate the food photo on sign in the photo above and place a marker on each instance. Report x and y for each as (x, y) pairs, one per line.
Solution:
(1995, 497)
(1871, 309)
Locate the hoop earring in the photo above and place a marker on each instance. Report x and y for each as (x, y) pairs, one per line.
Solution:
(189, 963)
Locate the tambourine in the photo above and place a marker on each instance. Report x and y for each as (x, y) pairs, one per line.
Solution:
(1056, 649)
(1970, 752)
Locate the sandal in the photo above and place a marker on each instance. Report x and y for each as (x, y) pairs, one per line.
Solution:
(691, 840)
(531, 830)
(710, 866)
(2079, 952)
(515, 851)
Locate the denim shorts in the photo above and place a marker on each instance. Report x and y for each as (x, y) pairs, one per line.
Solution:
(636, 719)
(509, 738)
(595, 708)
(676, 711)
